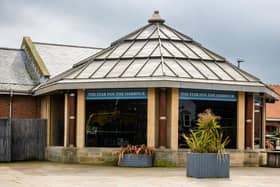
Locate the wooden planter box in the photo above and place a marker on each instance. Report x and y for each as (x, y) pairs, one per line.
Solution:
(133, 160)
(207, 165)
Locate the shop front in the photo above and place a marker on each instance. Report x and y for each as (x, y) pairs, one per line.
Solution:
(148, 88)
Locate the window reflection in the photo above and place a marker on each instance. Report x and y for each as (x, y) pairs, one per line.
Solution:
(114, 123)
(189, 109)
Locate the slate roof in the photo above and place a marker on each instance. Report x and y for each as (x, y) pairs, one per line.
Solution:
(58, 57)
(14, 75)
(156, 55)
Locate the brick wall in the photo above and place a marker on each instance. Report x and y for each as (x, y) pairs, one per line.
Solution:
(22, 106)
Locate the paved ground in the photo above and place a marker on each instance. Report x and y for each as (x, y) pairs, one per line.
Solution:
(46, 174)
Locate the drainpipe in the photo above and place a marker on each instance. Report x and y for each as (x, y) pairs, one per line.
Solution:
(11, 106)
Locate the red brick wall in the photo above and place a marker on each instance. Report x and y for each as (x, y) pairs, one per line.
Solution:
(22, 106)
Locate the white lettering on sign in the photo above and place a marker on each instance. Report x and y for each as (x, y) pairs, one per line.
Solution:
(204, 95)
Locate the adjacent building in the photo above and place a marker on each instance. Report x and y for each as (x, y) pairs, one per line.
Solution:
(273, 114)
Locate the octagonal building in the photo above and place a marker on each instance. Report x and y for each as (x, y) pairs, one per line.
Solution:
(148, 88)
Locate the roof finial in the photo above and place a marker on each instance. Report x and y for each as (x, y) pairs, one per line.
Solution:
(156, 18)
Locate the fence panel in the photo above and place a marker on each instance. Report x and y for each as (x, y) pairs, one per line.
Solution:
(5, 141)
(28, 139)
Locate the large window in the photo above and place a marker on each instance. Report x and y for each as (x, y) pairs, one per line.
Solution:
(193, 103)
(116, 122)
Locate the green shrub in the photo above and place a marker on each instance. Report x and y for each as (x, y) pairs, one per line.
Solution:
(207, 138)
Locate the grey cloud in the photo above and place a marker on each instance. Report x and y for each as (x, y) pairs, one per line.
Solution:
(240, 28)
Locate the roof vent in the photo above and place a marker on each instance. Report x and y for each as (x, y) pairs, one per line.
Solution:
(156, 18)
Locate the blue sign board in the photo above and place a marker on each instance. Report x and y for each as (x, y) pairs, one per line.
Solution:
(207, 95)
(118, 93)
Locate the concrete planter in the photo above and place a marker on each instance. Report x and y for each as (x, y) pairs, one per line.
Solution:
(133, 160)
(207, 165)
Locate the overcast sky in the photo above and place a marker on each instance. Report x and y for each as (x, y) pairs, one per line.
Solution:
(247, 29)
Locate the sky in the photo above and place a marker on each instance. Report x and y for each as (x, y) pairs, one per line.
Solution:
(235, 29)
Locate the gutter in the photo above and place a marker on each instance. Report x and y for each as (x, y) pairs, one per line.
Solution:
(15, 92)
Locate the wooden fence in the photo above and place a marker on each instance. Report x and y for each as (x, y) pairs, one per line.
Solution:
(22, 139)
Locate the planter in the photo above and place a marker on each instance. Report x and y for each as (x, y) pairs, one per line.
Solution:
(133, 160)
(207, 165)
(273, 159)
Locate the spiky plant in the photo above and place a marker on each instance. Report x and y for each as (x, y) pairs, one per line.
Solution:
(135, 149)
(207, 138)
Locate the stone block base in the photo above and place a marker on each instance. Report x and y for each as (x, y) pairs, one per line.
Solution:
(162, 157)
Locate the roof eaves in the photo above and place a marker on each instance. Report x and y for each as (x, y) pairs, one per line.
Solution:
(147, 82)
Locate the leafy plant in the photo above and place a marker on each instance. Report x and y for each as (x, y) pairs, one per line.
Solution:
(135, 149)
(207, 138)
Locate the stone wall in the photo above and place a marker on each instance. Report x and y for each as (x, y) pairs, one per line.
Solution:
(162, 158)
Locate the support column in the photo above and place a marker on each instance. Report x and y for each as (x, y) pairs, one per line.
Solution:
(174, 118)
(72, 118)
(162, 118)
(66, 121)
(240, 120)
(263, 122)
(46, 114)
(151, 117)
(249, 122)
(81, 118)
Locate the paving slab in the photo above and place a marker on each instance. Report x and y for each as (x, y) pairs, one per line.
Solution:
(49, 174)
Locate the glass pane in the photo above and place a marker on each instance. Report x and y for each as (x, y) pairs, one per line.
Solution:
(134, 49)
(190, 69)
(147, 50)
(176, 68)
(157, 35)
(149, 67)
(186, 50)
(163, 36)
(134, 68)
(249, 77)
(183, 36)
(203, 69)
(120, 50)
(199, 52)
(133, 36)
(233, 73)
(189, 109)
(147, 32)
(115, 123)
(104, 69)
(215, 56)
(173, 50)
(169, 33)
(104, 55)
(74, 74)
(90, 69)
(156, 52)
(167, 71)
(215, 68)
(119, 68)
(158, 71)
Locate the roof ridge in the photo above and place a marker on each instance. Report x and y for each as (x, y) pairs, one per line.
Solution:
(160, 49)
(8, 48)
(66, 45)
